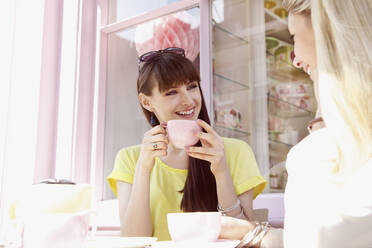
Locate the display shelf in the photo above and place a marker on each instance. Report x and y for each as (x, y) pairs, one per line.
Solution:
(224, 85)
(225, 39)
(233, 40)
(289, 110)
(231, 132)
(280, 143)
(293, 109)
(278, 150)
(231, 129)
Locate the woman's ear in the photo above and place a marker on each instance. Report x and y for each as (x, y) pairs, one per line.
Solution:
(145, 102)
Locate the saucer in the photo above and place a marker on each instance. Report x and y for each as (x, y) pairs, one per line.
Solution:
(221, 243)
(118, 242)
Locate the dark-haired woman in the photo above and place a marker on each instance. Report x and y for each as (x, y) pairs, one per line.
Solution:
(155, 178)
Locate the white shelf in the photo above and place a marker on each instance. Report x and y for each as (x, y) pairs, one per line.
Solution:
(280, 143)
(225, 85)
(294, 110)
(232, 132)
(238, 131)
(225, 39)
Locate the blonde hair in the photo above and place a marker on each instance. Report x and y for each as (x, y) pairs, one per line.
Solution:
(343, 34)
(297, 6)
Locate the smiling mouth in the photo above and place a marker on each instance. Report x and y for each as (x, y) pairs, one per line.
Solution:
(186, 114)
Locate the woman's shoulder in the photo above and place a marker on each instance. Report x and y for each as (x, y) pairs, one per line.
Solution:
(129, 151)
(314, 150)
(234, 147)
(317, 143)
(235, 144)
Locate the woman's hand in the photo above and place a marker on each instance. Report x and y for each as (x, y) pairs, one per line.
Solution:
(233, 228)
(212, 149)
(154, 144)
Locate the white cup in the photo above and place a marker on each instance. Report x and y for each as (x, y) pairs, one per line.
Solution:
(194, 226)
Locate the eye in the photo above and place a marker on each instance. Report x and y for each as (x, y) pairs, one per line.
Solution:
(192, 86)
(171, 92)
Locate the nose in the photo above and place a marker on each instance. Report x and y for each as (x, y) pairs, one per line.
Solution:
(186, 98)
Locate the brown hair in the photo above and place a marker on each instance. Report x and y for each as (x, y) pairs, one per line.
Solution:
(166, 71)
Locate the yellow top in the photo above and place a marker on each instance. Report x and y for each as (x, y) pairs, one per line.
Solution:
(166, 181)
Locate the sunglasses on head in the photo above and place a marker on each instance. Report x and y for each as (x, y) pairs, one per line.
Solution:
(150, 55)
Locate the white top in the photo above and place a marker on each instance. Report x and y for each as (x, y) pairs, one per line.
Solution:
(317, 213)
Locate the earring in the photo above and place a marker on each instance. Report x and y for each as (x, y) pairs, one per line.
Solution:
(152, 119)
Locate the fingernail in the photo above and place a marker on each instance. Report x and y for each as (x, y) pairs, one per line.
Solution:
(163, 124)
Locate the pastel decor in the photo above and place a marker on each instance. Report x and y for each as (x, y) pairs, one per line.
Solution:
(176, 30)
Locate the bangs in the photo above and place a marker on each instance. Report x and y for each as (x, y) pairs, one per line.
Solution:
(172, 70)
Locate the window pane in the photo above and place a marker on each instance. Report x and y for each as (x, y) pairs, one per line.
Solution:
(125, 123)
(124, 9)
(258, 95)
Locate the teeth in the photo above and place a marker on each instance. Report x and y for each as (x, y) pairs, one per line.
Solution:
(186, 112)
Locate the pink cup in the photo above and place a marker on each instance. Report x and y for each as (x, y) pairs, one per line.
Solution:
(182, 132)
(200, 226)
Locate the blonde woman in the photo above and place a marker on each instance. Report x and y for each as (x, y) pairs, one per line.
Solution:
(328, 198)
